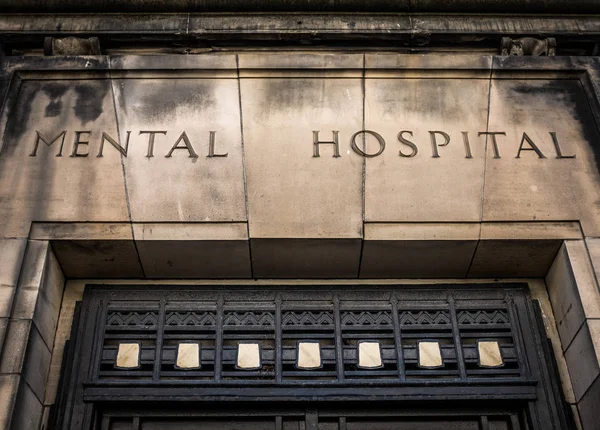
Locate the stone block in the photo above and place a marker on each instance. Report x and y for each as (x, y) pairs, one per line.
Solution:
(45, 421)
(34, 263)
(566, 303)
(575, 414)
(521, 185)
(292, 193)
(41, 301)
(207, 250)
(424, 65)
(593, 245)
(11, 257)
(9, 387)
(193, 170)
(25, 353)
(414, 250)
(589, 412)
(98, 258)
(305, 258)
(47, 306)
(513, 258)
(28, 409)
(6, 299)
(80, 231)
(37, 363)
(92, 249)
(425, 173)
(3, 328)
(583, 272)
(251, 64)
(15, 346)
(539, 292)
(594, 326)
(73, 293)
(582, 361)
(49, 165)
(145, 63)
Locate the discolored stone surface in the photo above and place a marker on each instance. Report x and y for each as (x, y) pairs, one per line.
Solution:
(51, 184)
(305, 258)
(535, 188)
(11, 256)
(197, 181)
(422, 181)
(290, 192)
(206, 250)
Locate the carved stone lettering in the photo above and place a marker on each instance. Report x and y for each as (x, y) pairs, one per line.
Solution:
(465, 136)
(151, 136)
(493, 135)
(532, 147)
(435, 144)
(186, 145)
(335, 142)
(83, 139)
(359, 151)
(211, 146)
(78, 142)
(411, 145)
(48, 142)
(117, 145)
(557, 147)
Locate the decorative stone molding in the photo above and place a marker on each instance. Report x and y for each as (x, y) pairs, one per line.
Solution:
(528, 46)
(71, 46)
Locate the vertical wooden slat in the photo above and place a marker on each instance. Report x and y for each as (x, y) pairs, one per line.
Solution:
(312, 420)
(159, 341)
(278, 342)
(398, 339)
(457, 342)
(219, 339)
(339, 346)
(483, 423)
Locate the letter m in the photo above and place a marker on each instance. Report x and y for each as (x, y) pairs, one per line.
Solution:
(39, 136)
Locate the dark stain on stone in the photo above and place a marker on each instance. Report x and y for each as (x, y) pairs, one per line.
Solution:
(19, 115)
(90, 100)
(161, 99)
(54, 91)
(567, 93)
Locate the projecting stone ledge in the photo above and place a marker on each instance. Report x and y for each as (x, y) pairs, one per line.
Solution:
(462, 6)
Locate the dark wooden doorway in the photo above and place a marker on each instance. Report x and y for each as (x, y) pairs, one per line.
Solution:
(383, 416)
(322, 357)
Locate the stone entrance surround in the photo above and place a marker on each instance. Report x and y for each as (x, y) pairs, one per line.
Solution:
(271, 209)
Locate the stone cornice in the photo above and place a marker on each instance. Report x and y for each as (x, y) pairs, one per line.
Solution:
(336, 6)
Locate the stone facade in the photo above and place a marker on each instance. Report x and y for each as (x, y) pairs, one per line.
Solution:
(339, 166)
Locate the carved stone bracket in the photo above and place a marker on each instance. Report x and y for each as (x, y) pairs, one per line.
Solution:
(71, 46)
(528, 46)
